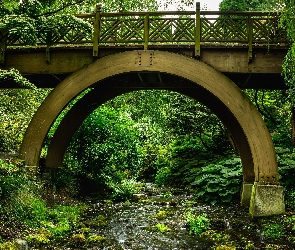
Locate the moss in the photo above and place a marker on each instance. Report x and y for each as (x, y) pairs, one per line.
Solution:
(96, 239)
(250, 246)
(45, 232)
(222, 247)
(38, 240)
(160, 228)
(78, 240)
(7, 246)
(84, 230)
(220, 238)
(161, 215)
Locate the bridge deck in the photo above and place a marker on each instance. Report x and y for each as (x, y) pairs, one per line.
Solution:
(263, 72)
(248, 47)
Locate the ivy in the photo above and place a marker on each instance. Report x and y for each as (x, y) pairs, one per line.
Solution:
(15, 75)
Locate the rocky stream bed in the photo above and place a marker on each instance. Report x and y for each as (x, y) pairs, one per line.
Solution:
(156, 219)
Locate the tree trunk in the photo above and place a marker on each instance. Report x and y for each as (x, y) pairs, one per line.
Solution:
(293, 125)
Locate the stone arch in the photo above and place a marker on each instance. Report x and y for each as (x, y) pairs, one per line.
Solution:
(216, 91)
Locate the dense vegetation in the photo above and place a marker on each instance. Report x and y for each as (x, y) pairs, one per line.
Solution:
(144, 136)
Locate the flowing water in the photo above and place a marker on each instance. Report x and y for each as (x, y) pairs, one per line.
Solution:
(131, 225)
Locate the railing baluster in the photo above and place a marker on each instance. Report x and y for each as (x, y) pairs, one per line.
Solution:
(96, 33)
(198, 31)
(250, 38)
(146, 31)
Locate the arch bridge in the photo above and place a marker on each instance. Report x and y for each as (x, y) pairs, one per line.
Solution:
(208, 56)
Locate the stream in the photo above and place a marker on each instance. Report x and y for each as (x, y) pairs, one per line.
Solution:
(132, 225)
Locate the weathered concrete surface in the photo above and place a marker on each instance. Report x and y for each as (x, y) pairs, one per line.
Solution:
(266, 200)
(246, 194)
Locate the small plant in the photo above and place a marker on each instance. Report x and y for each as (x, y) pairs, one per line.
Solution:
(161, 215)
(250, 246)
(98, 222)
(7, 246)
(222, 247)
(123, 191)
(219, 238)
(95, 239)
(273, 231)
(197, 224)
(38, 240)
(160, 228)
(168, 194)
(78, 240)
(101, 220)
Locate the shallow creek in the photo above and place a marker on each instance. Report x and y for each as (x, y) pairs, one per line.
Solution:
(128, 225)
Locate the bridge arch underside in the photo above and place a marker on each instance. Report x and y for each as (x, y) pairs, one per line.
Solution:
(149, 70)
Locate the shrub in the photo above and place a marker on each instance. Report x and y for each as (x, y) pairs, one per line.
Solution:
(218, 182)
(273, 231)
(123, 191)
(197, 224)
(12, 179)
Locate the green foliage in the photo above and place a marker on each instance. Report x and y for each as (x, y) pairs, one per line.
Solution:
(250, 5)
(187, 155)
(124, 190)
(14, 74)
(7, 246)
(289, 69)
(94, 239)
(286, 163)
(104, 146)
(17, 107)
(273, 231)
(218, 237)
(197, 224)
(37, 240)
(22, 204)
(12, 180)
(78, 240)
(162, 228)
(218, 182)
(161, 215)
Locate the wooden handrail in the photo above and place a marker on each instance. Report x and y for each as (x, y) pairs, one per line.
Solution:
(164, 27)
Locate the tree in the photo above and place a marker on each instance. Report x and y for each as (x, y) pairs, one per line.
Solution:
(250, 5)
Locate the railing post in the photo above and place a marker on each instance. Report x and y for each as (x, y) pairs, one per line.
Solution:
(198, 31)
(146, 31)
(3, 44)
(96, 28)
(250, 38)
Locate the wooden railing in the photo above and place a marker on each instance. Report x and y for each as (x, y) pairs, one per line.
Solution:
(169, 27)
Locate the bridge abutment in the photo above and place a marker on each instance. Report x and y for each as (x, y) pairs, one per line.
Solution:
(264, 199)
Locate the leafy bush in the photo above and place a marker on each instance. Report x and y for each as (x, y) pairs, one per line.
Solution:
(187, 155)
(12, 180)
(218, 182)
(197, 224)
(273, 230)
(124, 190)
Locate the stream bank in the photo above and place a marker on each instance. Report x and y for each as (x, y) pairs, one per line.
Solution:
(157, 218)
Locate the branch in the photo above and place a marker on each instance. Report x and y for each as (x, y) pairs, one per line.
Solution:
(58, 10)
